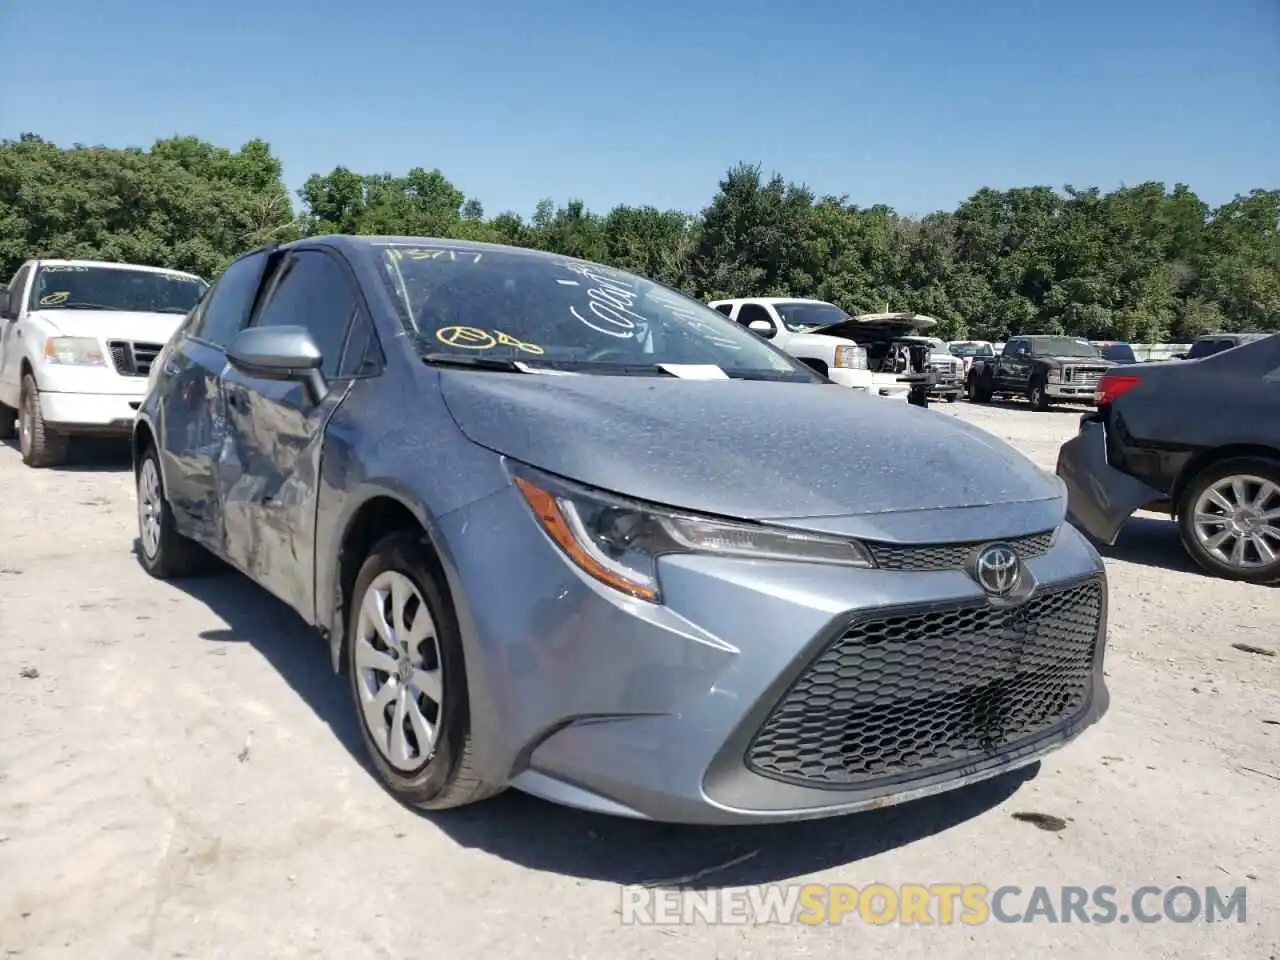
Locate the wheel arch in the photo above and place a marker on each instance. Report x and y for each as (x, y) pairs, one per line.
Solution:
(380, 511)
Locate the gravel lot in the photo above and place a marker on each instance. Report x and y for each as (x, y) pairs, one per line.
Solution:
(180, 775)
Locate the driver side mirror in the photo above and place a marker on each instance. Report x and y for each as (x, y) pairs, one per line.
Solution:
(762, 327)
(286, 353)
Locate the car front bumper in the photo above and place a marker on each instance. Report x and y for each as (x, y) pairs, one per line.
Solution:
(96, 413)
(1100, 498)
(1075, 392)
(736, 699)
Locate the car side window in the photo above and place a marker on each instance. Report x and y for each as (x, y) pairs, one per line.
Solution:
(725, 308)
(313, 291)
(16, 287)
(362, 356)
(752, 312)
(224, 310)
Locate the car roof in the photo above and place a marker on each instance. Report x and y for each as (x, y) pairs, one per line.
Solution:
(113, 265)
(773, 301)
(349, 242)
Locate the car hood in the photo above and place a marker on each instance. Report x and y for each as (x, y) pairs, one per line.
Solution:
(751, 449)
(111, 324)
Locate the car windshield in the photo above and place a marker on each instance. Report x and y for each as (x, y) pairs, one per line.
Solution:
(799, 317)
(557, 312)
(78, 287)
(1118, 353)
(972, 350)
(1065, 347)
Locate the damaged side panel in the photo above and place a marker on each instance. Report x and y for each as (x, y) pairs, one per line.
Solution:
(267, 475)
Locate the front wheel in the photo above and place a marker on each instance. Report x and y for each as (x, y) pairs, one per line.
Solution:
(1229, 520)
(163, 551)
(40, 445)
(409, 680)
(1038, 395)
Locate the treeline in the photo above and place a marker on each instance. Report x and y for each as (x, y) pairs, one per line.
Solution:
(1141, 263)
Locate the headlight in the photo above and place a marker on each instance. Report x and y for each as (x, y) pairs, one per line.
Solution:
(619, 541)
(851, 358)
(1055, 376)
(73, 351)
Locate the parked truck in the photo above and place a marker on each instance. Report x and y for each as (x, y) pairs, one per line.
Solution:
(1042, 368)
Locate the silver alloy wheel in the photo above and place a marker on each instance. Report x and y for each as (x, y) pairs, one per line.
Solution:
(397, 659)
(1237, 521)
(150, 507)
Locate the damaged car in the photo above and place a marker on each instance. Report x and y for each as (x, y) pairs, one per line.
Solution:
(1197, 439)
(568, 531)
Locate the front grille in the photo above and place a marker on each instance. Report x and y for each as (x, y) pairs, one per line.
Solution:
(1083, 376)
(132, 358)
(945, 371)
(950, 556)
(906, 694)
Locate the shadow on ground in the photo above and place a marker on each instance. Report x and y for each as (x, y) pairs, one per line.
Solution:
(543, 836)
(91, 455)
(1152, 542)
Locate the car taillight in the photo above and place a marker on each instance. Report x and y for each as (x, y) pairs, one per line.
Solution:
(1113, 386)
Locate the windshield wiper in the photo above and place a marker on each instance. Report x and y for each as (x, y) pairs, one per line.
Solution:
(507, 365)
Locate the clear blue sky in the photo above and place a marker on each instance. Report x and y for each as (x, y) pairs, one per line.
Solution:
(914, 103)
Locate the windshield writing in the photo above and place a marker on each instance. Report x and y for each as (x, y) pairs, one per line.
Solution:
(63, 287)
(565, 312)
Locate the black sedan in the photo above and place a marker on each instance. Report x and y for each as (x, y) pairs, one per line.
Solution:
(1198, 438)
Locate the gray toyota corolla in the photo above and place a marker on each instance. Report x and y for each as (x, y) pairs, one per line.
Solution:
(569, 531)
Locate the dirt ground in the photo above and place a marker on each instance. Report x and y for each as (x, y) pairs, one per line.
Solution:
(180, 776)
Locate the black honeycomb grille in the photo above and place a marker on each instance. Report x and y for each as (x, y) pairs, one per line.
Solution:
(906, 694)
(951, 556)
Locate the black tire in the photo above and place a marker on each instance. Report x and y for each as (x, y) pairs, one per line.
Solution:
(1037, 395)
(175, 555)
(447, 778)
(8, 422)
(976, 390)
(1241, 466)
(40, 446)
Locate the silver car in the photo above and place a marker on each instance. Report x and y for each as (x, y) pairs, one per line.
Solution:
(569, 531)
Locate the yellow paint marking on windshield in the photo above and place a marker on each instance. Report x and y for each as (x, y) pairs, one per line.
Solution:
(467, 338)
(53, 299)
(507, 340)
(475, 338)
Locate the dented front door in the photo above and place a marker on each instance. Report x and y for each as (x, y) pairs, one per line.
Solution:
(267, 475)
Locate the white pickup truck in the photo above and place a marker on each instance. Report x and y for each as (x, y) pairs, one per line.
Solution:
(872, 352)
(77, 338)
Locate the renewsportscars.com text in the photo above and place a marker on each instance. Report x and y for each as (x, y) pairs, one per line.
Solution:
(932, 904)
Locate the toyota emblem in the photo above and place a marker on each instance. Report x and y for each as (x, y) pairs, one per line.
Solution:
(997, 569)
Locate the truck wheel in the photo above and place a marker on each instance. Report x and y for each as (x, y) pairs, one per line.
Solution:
(1038, 395)
(977, 391)
(41, 446)
(1229, 519)
(8, 422)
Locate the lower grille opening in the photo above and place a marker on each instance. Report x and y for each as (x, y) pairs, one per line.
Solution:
(913, 693)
